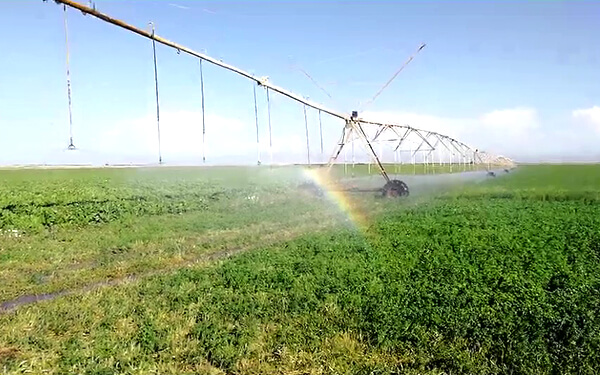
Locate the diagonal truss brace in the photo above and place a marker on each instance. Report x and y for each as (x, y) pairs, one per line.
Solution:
(350, 128)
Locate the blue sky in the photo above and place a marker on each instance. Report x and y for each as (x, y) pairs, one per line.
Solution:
(515, 77)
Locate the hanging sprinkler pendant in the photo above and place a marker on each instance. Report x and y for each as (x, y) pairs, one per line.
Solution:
(203, 112)
(151, 24)
(71, 145)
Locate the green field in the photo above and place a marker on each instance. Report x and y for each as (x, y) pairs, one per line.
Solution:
(234, 270)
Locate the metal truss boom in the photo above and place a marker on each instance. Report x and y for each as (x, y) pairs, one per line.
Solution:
(352, 122)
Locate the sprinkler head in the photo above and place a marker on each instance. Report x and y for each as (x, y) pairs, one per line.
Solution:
(71, 146)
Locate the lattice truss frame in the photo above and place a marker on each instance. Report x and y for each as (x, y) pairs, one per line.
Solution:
(410, 145)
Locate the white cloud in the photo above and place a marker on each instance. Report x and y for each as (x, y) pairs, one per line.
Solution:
(228, 140)
(500, 131)
(450, 126)
(181, 135)
(515, 123)
(179, 6)
(589, 116)
(518, 132)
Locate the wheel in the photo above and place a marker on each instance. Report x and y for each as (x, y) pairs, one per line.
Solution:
(394, 189)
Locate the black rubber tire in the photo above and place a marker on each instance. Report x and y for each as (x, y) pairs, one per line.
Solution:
(395, 189)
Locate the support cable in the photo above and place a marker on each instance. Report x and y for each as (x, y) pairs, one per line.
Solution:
(394, 76)
(315, 82)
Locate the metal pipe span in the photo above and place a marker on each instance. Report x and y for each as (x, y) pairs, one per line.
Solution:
(261, 81)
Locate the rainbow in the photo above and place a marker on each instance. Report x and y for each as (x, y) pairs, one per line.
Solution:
(335, 193)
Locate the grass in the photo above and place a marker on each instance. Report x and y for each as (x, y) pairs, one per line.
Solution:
(492, 277)
(95, 225)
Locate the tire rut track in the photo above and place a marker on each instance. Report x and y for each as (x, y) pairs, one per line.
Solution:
(270, 239)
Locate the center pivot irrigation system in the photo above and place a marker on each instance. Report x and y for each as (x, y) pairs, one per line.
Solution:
(368, 133)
